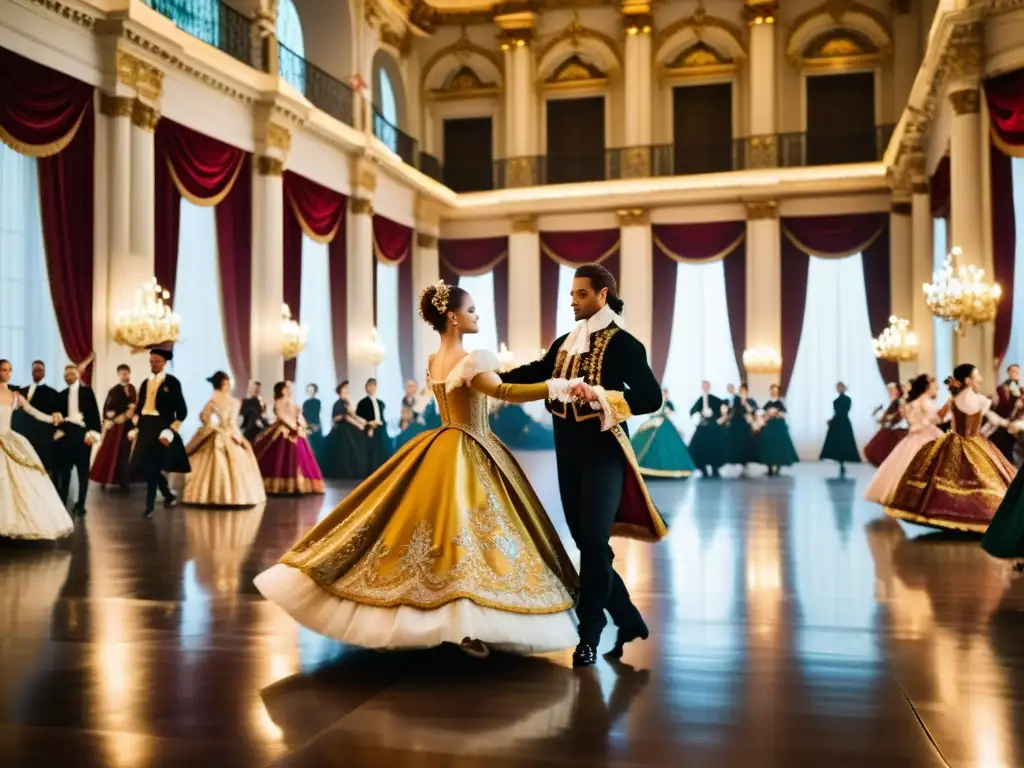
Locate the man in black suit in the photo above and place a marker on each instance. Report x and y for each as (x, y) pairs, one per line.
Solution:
(708, 446)
(42, 397)
(599, 480)
(158, 447)
(79, 430)
(371, 410)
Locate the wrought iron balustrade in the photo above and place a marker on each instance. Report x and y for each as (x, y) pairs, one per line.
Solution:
(401, 143)
(523, 171)
(215, 23)
(638, 162)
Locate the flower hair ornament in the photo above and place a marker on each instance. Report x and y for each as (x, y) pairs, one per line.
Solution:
(439, 299)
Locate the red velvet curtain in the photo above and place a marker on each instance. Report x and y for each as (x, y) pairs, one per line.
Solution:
(1004, 244)
(291, 284)
(832, 237)
(1005, 95)
(940, 189)
(234, 254)
(392, 245)
(478, 256)
(47, 115)
(572, 249)
(695, 243)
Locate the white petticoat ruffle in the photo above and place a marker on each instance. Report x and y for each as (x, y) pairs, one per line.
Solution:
(405, 627)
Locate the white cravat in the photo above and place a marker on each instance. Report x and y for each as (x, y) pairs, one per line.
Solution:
(32, 389)
(578, 340)
(74, 413)
(376, 409)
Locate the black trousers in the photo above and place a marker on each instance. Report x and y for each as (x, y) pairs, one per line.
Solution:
(73, 454)
(591, 474)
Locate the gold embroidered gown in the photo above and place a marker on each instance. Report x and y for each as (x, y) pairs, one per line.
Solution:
(224, 469)
(445, 541)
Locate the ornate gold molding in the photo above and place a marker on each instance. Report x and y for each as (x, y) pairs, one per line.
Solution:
(762, 209)
(145, 79)
(144, 116)
(360, 205)
(760, 11)
(116, 106)
(574, 32)
(838, 9)
(515, 38)
(698, 22)
(462, 49)
(526, 225)
(269, 166)
(634, 217)
(73, 15)
(465, 83)
(640, 23)
(279, 137)
(965, 102)
(966, 48)
(426, 240)
(921, 188)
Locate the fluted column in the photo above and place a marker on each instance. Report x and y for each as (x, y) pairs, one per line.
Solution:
(426, 269)
(762, 82)
(267, 362)
(922, 268)
(638, 66)
(764, 289)
(521, 144)
(361, 265)
(524, 290)
(636, 281)
(901, 269)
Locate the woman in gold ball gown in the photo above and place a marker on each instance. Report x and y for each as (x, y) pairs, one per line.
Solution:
(446, 542)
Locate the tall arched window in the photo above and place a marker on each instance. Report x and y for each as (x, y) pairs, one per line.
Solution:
(291, 47)
(387, 130)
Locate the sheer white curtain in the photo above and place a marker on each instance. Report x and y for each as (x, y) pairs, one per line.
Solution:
(28, 323)
(315, 364)
(943, 329)
(701, 346)
(202, 349)
(1015, 352)
(389, 373)
(835, 345)
(564, 319)
(481, 288)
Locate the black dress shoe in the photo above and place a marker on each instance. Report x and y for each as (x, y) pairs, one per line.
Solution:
(627, 636)
(170, 501)
(585, 655)
(79, 511)
(148, 513)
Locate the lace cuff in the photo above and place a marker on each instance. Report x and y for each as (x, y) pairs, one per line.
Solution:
(167, 435)
(559, 390)
(614, 408)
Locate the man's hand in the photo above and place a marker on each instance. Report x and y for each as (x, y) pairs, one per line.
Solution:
(89, 439)
(132, 435)
(164, 441)
(584, 392)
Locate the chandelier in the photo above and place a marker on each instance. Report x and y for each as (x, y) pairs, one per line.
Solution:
(374, 350)
(150, 323)
(293, 335)
(897, 343)
(762, 360)
(506, 358)
(960, 294)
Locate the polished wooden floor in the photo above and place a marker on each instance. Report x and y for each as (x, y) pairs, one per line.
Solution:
(791, 626)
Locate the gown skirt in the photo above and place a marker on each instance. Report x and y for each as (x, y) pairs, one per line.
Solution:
(882, 444)
(29, 505)
(709, 446)
(224, 472)
(887, 479)
(286, 461)
(840, 444)
(775, 447)
(348, 452)
(412, 430)
(1005, 534)
(660, 449)
(444, 542)
(110, 467)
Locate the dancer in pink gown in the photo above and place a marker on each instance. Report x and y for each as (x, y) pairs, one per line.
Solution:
(283, 452)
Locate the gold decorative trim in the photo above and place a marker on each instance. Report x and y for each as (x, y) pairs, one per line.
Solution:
(935, 522)
(426, 240)
(698, 21)
(462, 49)
(279, 137)
(859, 248)
(205, 201)
(762, 209)
(966, 50)
(524, 226)
(44, 150)
(481, 270)
(626, 530)
(566, 263)
(640, 23)
(515, 38)
(838, 9)
(965, 102)
(364, 177)
(682, 259)
(575, 32)
(303, 224)
(360, 205)
(116, 106)
(575, 74)
(144, 116)
(271, 166)
(73, 15)
(760, 11)
(142, 77)
(464, 83)
(669, 473)
(634, 217)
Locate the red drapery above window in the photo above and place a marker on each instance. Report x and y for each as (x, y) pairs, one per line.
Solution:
(478, 256)
(571, 249)
(694, 244)
(392, 245)
(49, 116)
(834, 237)
(1005, 95)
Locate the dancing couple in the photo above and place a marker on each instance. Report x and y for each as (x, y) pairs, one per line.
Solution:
(448, 543)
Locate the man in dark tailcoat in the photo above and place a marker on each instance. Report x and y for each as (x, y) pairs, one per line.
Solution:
(43, 398)
(79, 429)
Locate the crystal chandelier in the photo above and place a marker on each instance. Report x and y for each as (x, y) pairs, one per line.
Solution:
(506, 358)
(150, 323)
(897, 343)
(293, 335)
(960, 294)
(762, 360)
(374, 350)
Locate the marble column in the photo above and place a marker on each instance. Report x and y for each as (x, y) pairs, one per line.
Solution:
(524, 332)
(901, 270)
(762, 84)
(639, 67)
(266, 361)
(426, 269)
(361, 264)
(636, 276)
(521, 142)
(764, 290)
(921, 273)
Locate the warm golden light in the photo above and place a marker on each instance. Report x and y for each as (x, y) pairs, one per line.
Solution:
(373, 350)
(959, 294)
(293, 335)
(762, 360)
(151, 322)
(506, 358)
(897, 343)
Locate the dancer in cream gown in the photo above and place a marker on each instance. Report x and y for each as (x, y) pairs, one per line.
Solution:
(446, 542)
(29, 505)
(224, 469)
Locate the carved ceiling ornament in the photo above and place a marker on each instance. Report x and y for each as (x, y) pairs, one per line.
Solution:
(458, 55)
(724, 39)
(597, 48)
(966, 50)
(844, 24)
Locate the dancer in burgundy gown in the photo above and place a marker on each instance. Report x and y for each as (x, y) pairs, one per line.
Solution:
(285, 457)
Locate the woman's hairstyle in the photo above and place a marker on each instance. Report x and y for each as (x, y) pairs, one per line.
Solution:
(918, 386)
(279, 389)
(437, 300)
(314, 386)
(337, 389)
(963, 372)
(218, 379)
(601, 278)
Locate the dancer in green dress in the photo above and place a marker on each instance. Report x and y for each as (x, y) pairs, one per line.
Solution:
(775, 447)
(840, 445)
(660, 450)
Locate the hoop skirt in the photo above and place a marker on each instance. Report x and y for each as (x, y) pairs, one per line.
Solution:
(775, 447)
(29, 505)
(883, 444)
(286, 461)
(660, 449)
(446, 541)
(346, 446)
(955, 482)
(840, 444)
(923, 418)
(413, 429)
(224, 469)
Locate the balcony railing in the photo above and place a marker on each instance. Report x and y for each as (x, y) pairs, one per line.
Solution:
(797, 150)
(638, 162)
(215, 23)
(325, 92)
(525, 171)
(399, 142)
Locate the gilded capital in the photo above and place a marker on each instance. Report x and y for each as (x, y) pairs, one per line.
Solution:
(426, 240)
(901, 207)
(762, 209)
(921, 188)
(760, 11)
(360, 205)
(363, 176)
(269, 166)
(142, 77)
(526, 225)
(637, 23)
(634, 217)
(116, 106)
(510, 39)
(965, 102)
(965, 50)
(144, 116)
(279, 137)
